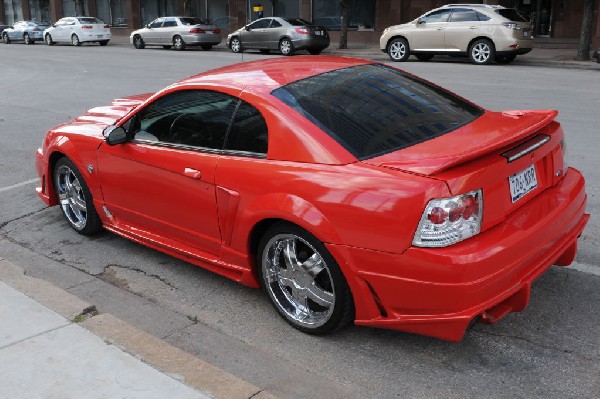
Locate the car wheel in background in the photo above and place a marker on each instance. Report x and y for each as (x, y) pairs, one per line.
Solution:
(482, 52)
(505, 59)
(286, 47)
(138, 42)
(424, 57)
(398, 49)
(236, 45)
(75, 40)
(27, 39)
(75, 198)
(178, 43)
(48, 39)
(206, 47)
(303, 281)
(5, 39)
(315, 51)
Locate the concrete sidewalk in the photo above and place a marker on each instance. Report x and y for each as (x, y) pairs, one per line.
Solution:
(54, 345)
(547, 57)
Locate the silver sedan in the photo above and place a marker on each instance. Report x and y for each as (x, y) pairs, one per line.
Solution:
(284, 34)
(177, 32)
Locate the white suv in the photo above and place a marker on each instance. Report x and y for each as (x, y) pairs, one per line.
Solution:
(483, 32)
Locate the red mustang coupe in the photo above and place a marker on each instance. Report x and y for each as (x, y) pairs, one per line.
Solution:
(349, 190)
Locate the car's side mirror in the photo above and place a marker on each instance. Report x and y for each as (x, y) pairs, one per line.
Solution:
(421, 21)
(247, 28)
(115, 135)
(148, 26)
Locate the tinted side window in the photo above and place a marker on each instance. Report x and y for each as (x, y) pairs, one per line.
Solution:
(157, 23)
(261, 24)
(436, 16)
(482, 16)
(372, 110)
(170, 22)
(512, 15)
(197, 118)
(275, 24)
(248, 132)
(464, 15)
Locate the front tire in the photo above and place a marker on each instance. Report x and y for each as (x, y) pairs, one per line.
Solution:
(138, 42)
(286, 47)
(75, 198)
(103, 42)
(5, 38)
(398, 50)
(75, 41)
(49, 40)
(482, 52)
(303, 281)
(236, 45)
(178, 43)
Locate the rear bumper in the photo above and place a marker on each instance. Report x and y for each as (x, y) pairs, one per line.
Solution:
(94, 37)
(439, 292)
(311, 43)
(202, 39)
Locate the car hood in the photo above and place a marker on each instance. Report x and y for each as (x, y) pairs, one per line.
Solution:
(488, 133)
(95, 120)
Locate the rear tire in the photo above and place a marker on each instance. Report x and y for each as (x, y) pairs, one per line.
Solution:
(103, 43)
(48, 40)
(286, 47)
(482, 52)
(27, 39)
(178, 43)
(75, 198)
(138, 42)
(5, 38)
(75, 41)
(398, 50)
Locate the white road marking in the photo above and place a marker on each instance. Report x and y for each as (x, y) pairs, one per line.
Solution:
(36, 180)
(589, 269)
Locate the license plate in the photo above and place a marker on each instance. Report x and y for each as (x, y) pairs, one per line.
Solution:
(319, 33)
(522, 183)
(526, 33)
(100, 36)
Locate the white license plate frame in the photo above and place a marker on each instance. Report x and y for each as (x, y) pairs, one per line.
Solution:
(522, 183)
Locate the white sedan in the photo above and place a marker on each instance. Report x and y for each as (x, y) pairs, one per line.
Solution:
(77, 30)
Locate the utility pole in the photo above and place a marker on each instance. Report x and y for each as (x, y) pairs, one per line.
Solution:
(583, 53)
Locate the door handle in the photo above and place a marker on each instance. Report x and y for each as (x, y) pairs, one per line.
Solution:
(193, 173)
(473, 27)
(439, 28)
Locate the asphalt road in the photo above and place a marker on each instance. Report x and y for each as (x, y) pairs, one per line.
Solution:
(551, 350)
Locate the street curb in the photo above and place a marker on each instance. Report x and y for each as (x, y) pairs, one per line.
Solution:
(180, 365)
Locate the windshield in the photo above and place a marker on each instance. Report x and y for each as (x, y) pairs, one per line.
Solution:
(512, 14)
(297, 22)
(193, 21)
(373, 110)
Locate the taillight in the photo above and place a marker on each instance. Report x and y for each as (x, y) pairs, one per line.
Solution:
(36, 29)
(511, 25)
(447, 221)
(563, 148)
(197, 30)
(216, 30)
(302, 31)
(87, 27)
(107, 26)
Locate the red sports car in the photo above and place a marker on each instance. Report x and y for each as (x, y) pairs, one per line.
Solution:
(349, 190)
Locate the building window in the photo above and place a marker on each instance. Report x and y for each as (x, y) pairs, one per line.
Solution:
(40, 10)
(196, 8)
(276, 8)
(112, 12)
(12, 11)
(361, 14)
(74, 8)
(152, 9)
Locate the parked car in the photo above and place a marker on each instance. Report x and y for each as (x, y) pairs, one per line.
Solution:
(26, 31)
(483, 32)
(77, 30)
(348, 189)
(2, 27)
(177, 32)
(287, 35)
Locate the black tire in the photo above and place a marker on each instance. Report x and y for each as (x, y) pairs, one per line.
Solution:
(48, 40)
(77, 204)
(178, 43)
(398, 49)
(265, 50)
(482, 52)
(206, 47)
(167, 46)
(236, 45)
(286, 47)
(75, 41)
(27, 39)
(505, 59)
(103, 42)
(138, 42)
(424, 57)
(315, 51)
(5, 38)
(328, 305)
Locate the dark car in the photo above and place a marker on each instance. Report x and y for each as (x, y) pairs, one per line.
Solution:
(284, 34)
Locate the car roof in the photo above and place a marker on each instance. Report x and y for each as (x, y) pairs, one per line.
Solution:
(263, 76)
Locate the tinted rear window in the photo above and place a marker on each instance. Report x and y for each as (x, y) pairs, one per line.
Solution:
(512, 15)
(297, 22)
(373, 109)
(90, 20)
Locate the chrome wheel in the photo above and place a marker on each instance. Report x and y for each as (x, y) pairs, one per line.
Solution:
(75, 40)
(398, 50)
(298, 281)
(236, 45)
(49, 41)
(286, 47)
(75, 198)
(178, 43)
(482, 52)
(27, 39)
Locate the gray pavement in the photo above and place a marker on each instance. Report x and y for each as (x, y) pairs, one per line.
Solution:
(54, 345)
